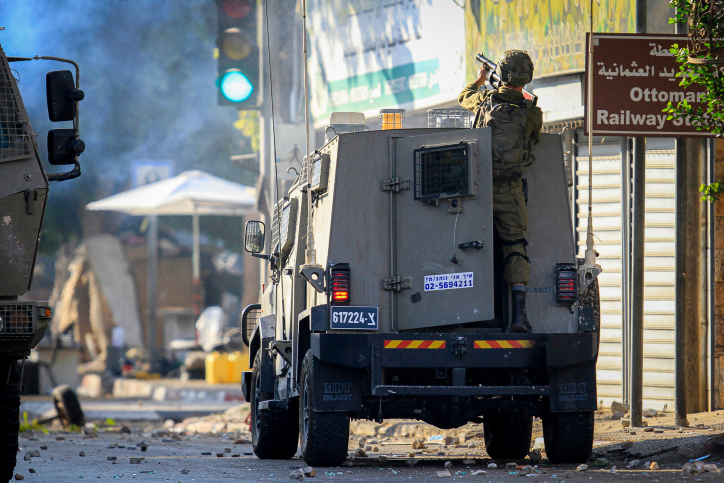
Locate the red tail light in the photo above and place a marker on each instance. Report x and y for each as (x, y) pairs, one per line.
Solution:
(567, 283)
(339, 282)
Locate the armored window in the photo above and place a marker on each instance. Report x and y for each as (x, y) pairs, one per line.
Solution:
(442, 171)
(14, 139)
(320, 172)
(284, 225)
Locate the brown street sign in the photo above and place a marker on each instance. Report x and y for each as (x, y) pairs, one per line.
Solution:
(633, 80)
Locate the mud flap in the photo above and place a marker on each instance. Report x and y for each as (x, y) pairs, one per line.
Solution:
(573, 388)
(266, 370)
(336, 388)
(246, 385)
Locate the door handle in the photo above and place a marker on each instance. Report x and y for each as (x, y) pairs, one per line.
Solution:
(472, 244)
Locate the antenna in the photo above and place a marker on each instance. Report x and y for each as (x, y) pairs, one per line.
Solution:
(590, 269)
(310, 254)
(274, 145)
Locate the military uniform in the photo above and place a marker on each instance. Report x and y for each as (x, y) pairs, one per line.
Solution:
(510, 213)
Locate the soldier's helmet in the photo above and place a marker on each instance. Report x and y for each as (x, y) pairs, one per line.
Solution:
(515, 68)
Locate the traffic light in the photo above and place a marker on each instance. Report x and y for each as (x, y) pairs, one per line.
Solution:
(239, 55)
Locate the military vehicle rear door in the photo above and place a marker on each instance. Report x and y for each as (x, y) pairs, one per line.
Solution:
(442, 244)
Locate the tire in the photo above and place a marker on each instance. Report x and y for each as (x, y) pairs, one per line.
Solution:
(323, 436)
(9, 427)
(68, 407)
(274, 434)
(507, 435)
(568, 436)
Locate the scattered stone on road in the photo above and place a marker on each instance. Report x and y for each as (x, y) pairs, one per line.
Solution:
(535, 456)
(418, 444)
(526, 470)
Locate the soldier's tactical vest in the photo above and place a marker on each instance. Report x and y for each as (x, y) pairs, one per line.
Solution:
(511, 149)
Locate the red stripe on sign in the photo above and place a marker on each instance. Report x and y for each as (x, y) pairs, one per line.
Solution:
(425, 344)
(403, 344)
(494, 344)
(516, 344)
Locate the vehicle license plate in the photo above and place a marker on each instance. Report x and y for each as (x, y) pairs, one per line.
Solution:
(358, 318)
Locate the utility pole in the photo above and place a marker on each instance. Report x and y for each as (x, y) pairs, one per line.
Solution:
(638, 258)
(680, 358)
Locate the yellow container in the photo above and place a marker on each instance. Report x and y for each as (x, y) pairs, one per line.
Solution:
(217, 367)
(237, 362)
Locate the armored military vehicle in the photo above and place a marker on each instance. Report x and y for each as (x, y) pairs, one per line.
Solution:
(23, 197)
(404, 314)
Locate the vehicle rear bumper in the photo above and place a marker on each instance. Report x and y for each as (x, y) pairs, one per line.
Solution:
(568, 362)
(451, 350)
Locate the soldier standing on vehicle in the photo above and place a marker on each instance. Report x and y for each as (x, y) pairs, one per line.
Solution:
(516, 124)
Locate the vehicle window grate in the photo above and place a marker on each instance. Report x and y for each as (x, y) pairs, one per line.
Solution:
(441, 171)
(18, 320)
(14, 138)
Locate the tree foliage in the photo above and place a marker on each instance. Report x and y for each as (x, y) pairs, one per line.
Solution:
(248, 125)
(702, 17)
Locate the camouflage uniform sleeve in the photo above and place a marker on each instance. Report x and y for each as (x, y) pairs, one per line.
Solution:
(470, 98)
(534, 124)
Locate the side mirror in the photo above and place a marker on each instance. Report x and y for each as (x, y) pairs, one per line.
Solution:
(64, 146)
(62, 95)
(254, 237)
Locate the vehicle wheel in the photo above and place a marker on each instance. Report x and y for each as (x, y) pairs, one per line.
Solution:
(568, 436)
(507, 435)
(9, 427)
(68, 407)
(323, 436)
(274, 434)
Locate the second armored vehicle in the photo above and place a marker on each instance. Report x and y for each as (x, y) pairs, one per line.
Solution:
(405, 314)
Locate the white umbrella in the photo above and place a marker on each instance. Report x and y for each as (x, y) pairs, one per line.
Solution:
(190, 193)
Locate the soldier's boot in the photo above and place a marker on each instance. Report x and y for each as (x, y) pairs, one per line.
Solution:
(520, 321)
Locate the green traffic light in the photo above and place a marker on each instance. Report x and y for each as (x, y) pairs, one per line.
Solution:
(235, 86)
